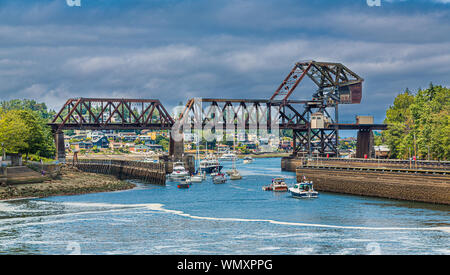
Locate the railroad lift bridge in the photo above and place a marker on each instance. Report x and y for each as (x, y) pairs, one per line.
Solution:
(315, 130)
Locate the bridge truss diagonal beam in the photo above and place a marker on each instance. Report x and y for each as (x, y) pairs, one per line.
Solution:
(111, 114)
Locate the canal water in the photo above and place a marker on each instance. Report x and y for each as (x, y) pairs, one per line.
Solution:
(233, 218)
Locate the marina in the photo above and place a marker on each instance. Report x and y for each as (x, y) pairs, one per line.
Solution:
(232, 218)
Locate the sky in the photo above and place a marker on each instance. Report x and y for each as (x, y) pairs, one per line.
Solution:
(173, 50)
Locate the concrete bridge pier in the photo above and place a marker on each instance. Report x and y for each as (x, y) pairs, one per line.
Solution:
(176, 149)
(60, 146)
(364, 143)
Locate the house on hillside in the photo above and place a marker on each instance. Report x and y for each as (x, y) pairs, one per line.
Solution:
(100, 142)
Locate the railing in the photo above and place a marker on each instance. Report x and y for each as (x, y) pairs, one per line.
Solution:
(391, 161)
(376, 169)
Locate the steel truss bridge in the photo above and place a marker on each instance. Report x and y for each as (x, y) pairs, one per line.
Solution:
(335, 84)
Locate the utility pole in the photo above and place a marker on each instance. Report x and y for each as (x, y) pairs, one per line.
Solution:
(409, 156)
(415, 152)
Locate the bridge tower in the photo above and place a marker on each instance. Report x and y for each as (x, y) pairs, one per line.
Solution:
(336, 84)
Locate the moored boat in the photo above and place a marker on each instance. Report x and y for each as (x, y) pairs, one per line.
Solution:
(219, 178)
(196, 178)
(235, 175)
(248, 160)
(210, 165)
(179, 172)
(184, 183)
(228, 157)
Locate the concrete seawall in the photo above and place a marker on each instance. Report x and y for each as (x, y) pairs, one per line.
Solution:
(149, 172)
(430, 188)
(430, 182)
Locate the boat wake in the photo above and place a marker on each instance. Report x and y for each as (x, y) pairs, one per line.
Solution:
(97, 208)
(160, 208)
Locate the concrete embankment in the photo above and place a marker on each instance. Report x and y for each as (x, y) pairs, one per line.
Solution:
(69, 181)
(145, 171)
(421, 185)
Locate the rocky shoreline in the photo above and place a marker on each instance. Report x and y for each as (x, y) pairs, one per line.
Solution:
(69, 181)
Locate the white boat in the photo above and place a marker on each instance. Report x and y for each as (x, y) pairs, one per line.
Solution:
(196, 178)
(235, 175)
(219, 178)
(248, 160)
(303, 189)
(277, 185)
(210, 165)
(228, 157)
(179, 172)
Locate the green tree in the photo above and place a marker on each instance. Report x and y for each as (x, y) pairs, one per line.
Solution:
(420, 123)
(25, 132)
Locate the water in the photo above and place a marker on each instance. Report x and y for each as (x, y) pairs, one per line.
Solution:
(233, 218)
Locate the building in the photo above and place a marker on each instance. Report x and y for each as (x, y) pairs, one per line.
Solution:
(82, 145)
(382, 151)
(100, 142)
(115, 145)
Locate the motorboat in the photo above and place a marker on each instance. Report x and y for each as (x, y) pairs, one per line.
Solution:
(304, 189)
(219, 178)
(228, 157)
(179, 172)
(277, 185)
(210, 165)
(196, 178)
(235, 175)
(248, 160)
(184, 183)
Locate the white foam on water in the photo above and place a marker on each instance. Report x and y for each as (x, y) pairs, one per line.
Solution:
(159, 207)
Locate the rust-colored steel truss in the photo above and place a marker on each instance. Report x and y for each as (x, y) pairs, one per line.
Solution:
(243, 114)
(112, 114)
(335, 82)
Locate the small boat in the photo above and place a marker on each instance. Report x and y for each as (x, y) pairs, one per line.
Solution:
(179, 172)
(228, 157)
(196, 178)
(235, 175)
(219, 178)
(303, 189)
(248, 160)
(277, 185)
(184, 183)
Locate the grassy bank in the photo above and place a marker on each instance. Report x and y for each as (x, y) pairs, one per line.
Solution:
(70, 182)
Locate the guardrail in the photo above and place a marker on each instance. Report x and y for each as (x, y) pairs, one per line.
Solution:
(377, 169)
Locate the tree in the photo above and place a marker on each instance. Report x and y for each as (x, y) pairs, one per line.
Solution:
(419, 123)
(25, 132)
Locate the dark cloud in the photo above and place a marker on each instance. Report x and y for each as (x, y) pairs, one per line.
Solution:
(174, 50)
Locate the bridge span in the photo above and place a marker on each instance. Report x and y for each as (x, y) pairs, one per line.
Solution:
(336, 84)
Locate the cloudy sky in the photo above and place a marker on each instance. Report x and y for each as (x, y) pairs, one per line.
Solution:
(177, 49)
